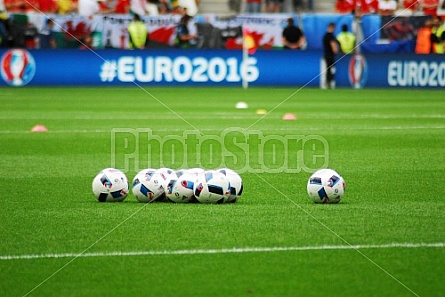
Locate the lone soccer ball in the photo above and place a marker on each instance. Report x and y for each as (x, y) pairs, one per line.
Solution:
(148, 185)
(110, 185)
(326, 186)
(212, 187)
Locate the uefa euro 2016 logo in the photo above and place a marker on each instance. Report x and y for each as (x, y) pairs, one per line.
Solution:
(17, 67)
(358, 71)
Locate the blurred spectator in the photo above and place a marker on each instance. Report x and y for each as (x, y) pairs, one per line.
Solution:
(3, 20)
(299, 5)
(3, 14)
(143, 7)
(293, 37)
(346, 40)
(429, 7)
(407, 8)
(66, 6)
(107, 6)
(21, 6)
(176, 8)
(138, 33)
(30, 35)
(164, 7)
(253, 6)
(184, 39)
(438, 36)
(122, 7)
(138, 7)
(47, 6)
(387, 7)
(412, 5)
(345, 6)
(273, 6)
(47, 37)
(190, 6)
(423, 41)
(152, 9)
(16, 25)
(88, 7)
(366, 7)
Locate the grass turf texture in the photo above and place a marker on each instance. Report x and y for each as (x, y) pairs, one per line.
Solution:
(387, 144)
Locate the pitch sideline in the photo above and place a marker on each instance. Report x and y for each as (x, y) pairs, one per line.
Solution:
(405, 245)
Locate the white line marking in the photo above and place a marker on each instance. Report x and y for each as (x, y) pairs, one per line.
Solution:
(405, 245)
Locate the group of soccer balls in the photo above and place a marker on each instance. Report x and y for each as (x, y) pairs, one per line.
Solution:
(197, 185)
(166, 185)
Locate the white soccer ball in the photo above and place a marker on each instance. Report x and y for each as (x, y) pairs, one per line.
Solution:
(236, 184)
(110, 185)
(180, 190)
(212, 187)
(180, 172)
(167, 175)
(326, 186)
(196, 170)
(148, 185)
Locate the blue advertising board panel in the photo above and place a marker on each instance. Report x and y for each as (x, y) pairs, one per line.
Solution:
(391, 71)
(157, 67)
(19, 67)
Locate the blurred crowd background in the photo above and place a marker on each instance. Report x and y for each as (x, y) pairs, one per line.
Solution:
(47, 24)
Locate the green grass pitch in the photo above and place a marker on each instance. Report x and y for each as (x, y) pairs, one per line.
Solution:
(385, 238)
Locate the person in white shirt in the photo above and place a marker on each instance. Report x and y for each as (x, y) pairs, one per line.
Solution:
(138, 7)
(88, 7)
(387, 7)
(2, 7)
(190, 5)
(143, 7)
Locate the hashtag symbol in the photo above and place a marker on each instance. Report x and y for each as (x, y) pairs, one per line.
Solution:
(108, 71)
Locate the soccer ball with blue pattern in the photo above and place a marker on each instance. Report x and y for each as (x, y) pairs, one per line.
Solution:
(326, 186)
(236, 184)
(148, 185)
(110, 185)
(212, 187)
(180, 190)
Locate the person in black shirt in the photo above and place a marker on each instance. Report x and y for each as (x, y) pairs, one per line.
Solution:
(47, 35)
(293, 37)
(183, 36)
(331, 48)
